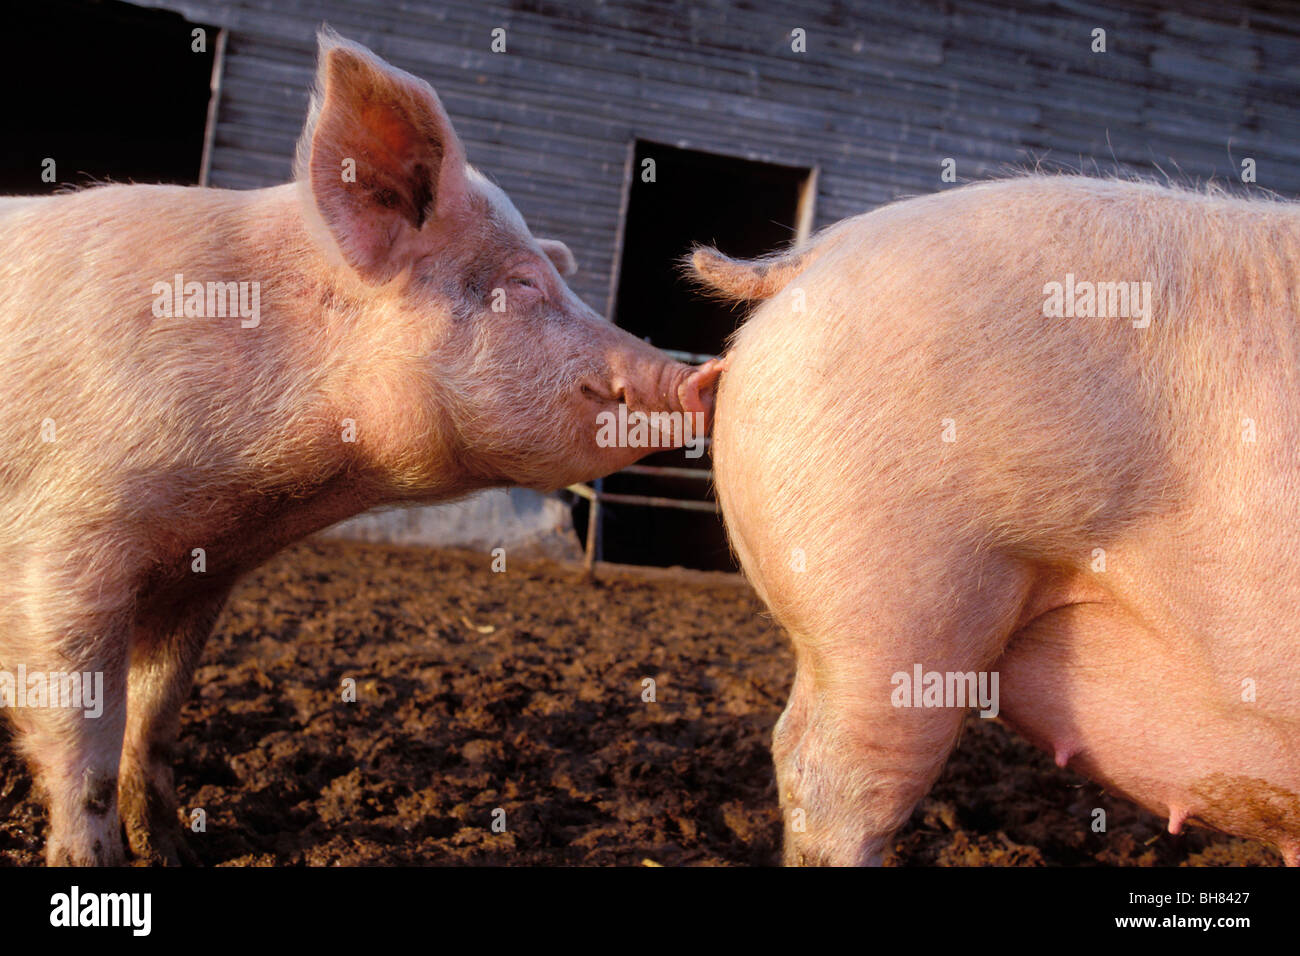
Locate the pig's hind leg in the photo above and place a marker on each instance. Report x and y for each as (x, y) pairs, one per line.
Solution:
(165, 651)
(854, 754)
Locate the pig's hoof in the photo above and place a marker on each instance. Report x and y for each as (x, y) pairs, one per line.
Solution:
(97, 855)
(152, 822)
(167, 853)
(161, 846)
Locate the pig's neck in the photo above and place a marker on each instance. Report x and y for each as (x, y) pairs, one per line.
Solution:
(358, 437)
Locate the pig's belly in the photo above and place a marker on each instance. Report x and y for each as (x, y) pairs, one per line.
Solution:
(1143, 715)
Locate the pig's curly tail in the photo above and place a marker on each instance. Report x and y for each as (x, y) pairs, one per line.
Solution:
(753, 280)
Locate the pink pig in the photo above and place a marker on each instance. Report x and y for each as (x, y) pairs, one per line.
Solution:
(195, 378)
(1036, 437)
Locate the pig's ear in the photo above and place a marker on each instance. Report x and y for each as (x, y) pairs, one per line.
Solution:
(560, 255)
(379, 157)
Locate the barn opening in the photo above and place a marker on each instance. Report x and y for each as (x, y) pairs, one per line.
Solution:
(142, 119)
(675, 199)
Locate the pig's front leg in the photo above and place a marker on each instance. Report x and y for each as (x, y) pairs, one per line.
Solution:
(165, 650)
(74, 750)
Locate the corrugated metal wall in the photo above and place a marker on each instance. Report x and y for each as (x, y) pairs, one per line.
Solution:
(884, 92)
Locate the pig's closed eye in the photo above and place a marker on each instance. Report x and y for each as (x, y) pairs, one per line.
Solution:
(524, 281)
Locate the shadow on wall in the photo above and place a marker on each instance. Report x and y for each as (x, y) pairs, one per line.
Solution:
(526, 523)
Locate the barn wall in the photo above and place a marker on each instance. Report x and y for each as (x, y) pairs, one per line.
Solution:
(884, 92)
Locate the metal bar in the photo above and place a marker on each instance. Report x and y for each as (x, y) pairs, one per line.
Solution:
(598, 552)
(582, 491)
(703, 474)
(593, 520)
(659, 502)
(597, 496)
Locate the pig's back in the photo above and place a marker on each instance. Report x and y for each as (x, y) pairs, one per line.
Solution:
(11, 204)
(128, 393)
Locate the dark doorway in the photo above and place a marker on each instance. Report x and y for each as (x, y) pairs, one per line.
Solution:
(107, 90)
(746, 209)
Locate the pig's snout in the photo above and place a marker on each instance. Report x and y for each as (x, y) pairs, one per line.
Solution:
(668, 386)
(697, 391)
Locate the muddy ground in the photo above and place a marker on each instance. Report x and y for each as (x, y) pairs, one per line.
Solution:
(523, 691)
